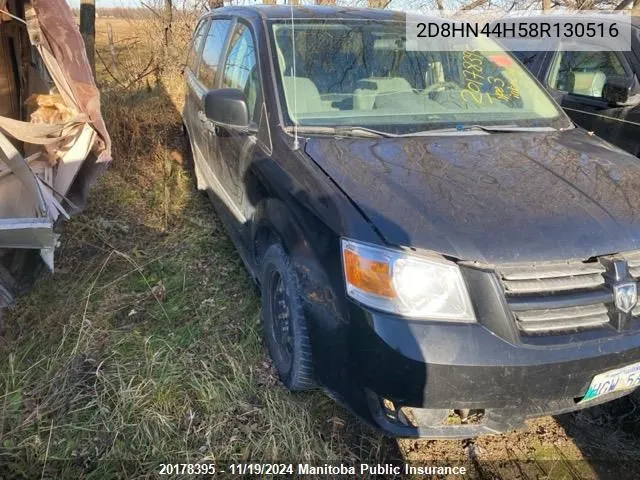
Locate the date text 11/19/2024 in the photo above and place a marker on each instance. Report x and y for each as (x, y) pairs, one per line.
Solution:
(261, 469)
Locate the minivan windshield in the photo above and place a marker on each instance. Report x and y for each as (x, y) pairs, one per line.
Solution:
(359, 74)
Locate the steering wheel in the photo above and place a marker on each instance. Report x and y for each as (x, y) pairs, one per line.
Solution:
(441, 86)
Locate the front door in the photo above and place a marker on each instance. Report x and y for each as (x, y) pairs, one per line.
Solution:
(236, 146)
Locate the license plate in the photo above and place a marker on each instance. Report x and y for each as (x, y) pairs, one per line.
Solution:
(624, 378)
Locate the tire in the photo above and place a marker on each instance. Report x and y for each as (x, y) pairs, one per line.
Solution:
(284, 325)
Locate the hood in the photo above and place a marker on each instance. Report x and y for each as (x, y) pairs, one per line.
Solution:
(504, 197)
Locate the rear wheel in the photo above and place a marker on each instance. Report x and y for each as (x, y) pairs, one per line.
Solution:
(285, 329)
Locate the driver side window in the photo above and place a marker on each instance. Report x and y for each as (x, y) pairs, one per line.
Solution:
(584, 73)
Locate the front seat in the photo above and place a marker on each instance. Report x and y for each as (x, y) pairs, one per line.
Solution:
(590, 84)
(307, 97)
(369, 88)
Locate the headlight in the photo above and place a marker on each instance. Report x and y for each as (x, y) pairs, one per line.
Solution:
(408, 285)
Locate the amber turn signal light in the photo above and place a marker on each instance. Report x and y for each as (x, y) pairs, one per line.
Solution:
(368, 275)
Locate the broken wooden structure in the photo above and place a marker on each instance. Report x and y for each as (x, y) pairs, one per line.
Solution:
(53, 141)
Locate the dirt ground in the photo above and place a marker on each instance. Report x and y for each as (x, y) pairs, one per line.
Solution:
(145, 345)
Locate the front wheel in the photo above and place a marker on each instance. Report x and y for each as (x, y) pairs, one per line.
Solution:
(285, 328)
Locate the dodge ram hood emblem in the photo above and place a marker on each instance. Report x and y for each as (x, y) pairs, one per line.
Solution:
(626, 296)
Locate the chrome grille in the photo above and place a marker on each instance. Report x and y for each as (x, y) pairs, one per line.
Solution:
(633, 261)
(556, 319)
(556, 296)
(551, 277)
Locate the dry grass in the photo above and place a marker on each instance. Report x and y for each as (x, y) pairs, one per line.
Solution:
(145, 347)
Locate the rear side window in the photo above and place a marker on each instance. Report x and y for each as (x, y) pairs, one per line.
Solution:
(194, 51)
(213, 47)
(241, 69)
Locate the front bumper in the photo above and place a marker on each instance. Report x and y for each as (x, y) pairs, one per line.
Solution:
(440, 367)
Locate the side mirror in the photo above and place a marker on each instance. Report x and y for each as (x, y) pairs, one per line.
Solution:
(617, 92)
(227, 107)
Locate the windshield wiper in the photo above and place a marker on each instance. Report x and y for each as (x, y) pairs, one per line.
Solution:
(342, 131)
(364, 132)
(488, 129)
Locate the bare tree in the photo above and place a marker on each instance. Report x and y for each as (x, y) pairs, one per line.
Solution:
(546, 4)
(585, 4)
(378, 3)
(634, 4)
(215, 4)
(112, 47)
(473, 4)
(168, 20)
